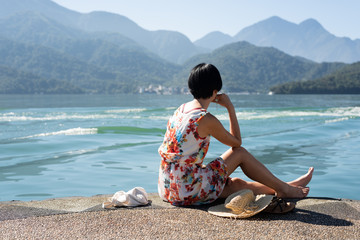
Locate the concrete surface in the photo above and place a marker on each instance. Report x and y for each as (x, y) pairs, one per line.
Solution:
(84, 218)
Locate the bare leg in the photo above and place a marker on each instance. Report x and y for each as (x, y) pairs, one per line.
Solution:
(266, 182)
(303, 180)
(236, 184)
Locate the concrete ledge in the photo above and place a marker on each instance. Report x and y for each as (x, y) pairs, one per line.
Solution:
(19, 209)
(83, 217)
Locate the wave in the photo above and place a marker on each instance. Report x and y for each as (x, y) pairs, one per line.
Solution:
(138, 110)
(163, 114)
(164, 118)
(139, 113)
(53, 117)
(343, 112)
(127, 110)
(100, 130)
(337, 120)
(73, 131)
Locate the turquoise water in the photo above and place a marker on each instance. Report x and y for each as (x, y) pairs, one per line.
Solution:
(81, 145)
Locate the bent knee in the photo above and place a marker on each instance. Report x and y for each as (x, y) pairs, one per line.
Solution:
(233, 185)
(236, 183)
(239, 150)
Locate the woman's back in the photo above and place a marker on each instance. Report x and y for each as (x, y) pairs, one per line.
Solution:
(182, 143)
(183, 180)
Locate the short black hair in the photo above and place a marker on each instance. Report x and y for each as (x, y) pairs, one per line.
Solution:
(203, 80)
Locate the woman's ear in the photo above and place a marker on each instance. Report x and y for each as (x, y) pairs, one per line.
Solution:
(215, 92)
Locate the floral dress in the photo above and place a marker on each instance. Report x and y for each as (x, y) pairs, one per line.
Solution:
(183, 179)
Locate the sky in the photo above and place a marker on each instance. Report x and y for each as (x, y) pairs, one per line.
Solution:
(196, 18)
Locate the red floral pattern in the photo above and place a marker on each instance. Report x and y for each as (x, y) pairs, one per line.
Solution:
(183, 179)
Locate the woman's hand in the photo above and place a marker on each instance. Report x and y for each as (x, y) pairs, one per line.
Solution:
(234, 137)
(223, 100)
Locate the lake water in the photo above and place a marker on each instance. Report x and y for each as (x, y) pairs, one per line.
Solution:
(81, 145)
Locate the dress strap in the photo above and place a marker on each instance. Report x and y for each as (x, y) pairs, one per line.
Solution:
(183, 108)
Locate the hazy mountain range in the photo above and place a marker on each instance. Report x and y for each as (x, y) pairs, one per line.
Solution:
(170, 45)
(57, 50)
(307, 39)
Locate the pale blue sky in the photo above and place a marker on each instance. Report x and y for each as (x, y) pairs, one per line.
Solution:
(195, 18)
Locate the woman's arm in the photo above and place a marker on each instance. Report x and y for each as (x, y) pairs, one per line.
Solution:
(211, 125)
(234, 124)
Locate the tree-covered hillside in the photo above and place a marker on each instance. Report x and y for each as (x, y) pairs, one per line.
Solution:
(245, 67)
(17, 82)
(109, 62)
(48, 63)
(96, 62)
(344, 81)
(170, 45)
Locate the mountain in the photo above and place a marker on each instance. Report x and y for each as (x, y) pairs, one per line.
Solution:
(36, 28)
(247, 68)
(47, 7)
(98, 53)
(18, 82)
(170, 45)
(52, 64)
(94, 66)
(307, 39)
(214, 40)
(103, 71)
(109, 52)
(343, 81)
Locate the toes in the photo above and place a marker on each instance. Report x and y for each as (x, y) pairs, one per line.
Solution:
(306, 191)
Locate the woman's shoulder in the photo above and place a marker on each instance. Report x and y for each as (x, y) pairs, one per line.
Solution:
(206, 123)
(207, 120)
(208, 117)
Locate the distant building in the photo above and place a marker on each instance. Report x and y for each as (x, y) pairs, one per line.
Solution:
(162, 90)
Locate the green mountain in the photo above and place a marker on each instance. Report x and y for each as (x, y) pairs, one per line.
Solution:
(18, 82)
(51, 64)
(170, 45)
(247, 68)
(343, 81)
(34, 44)
(104, 58)
(35, 28)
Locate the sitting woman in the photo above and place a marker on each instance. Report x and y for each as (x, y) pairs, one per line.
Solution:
(184, 180)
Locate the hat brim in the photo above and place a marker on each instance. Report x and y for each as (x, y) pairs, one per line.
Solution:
(262, 201)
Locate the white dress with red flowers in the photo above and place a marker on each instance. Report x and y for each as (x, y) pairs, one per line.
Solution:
(183, 179)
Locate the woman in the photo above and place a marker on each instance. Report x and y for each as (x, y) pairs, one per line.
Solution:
(184, 180)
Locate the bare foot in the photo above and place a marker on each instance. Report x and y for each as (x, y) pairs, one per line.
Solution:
(303, 180)
(294, 192)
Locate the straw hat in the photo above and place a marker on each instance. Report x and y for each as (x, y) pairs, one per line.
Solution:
(241, 204)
